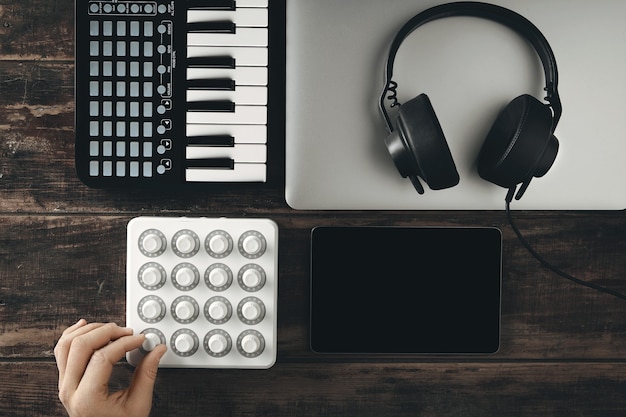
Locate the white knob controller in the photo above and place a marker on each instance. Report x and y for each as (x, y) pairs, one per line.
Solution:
(204, 288)
(185, 310)
(251, 278)
(252, 245)
(185, 244)
(250, 344)
(218, 277)
(151, 341)
(219, 244)
(185, 277)
(151, 276)
(184, 343)
(218, 310)
(152, 243)
(251, 310)
(218, 343)
(151, 309)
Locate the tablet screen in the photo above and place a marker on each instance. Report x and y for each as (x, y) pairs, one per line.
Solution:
(419, 290)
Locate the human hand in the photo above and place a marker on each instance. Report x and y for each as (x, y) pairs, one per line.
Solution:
(85, 356)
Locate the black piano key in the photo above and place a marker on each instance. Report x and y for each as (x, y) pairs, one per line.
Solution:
(211, 105)
(224, 163)
(211, 84)
(211, 62)
(212, 140)
(211, 4)
(212, 27)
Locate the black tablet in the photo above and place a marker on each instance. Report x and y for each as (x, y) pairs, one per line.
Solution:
(405, 290)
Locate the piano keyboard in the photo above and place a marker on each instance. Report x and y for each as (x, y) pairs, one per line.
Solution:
(171, 92)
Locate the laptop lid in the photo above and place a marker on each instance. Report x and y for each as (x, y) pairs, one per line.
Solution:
(470, 68)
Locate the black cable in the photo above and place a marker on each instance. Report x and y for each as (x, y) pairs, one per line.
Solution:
(552, 267)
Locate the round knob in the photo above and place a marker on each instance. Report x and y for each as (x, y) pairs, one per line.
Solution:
(184, 343)
(152, 243)
(219, 244)
(218, 343)
(218, 277)
(218, 310)
(185, 277)
(251, 278)
(151, 309)
(185, 310)
(185, 243)
(151, 341)
(250, 343)
(251, 310)
(151, 276)
(252, 245)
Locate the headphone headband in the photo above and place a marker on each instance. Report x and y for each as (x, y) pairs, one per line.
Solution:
(498, 14)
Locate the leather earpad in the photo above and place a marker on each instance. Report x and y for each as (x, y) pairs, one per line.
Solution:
(520, 144)
(419, 148)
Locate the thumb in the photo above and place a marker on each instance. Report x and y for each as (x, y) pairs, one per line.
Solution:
(142, 385)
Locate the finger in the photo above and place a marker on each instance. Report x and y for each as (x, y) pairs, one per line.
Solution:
(62, 348)
(98, 372)
(83, 347)
(142, 385)
(80, 323)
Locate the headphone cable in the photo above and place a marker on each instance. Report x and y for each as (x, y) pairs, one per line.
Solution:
(552, 267)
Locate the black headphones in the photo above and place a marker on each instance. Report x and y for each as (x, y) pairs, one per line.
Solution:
(521, 143)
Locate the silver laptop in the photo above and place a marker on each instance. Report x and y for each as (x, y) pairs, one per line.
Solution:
(470, 68)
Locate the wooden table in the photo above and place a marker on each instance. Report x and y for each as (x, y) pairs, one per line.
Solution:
(62, 257)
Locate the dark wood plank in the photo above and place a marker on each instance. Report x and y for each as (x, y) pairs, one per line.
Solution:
(56, 269)
(37, 29)
(409, 389)
(37, 171)
(37, 90)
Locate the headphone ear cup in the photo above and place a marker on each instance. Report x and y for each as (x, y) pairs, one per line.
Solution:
(418, 146)
(520, 144)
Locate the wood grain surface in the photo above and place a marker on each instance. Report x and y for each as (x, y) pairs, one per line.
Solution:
(62, 257)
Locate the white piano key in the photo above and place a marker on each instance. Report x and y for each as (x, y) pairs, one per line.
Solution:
(243, 56)
(241, 173)
(252, 17)
(241, 133)
(241, 75)
(252, 3)
(254, 153)
(243, 37)
(243, 95)
(245, 115)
